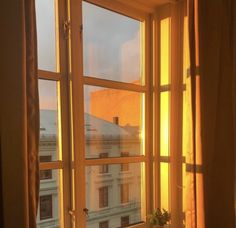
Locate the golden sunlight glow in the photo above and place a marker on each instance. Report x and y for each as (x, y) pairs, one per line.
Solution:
(165, 110)
(165, 185)
(165, 51)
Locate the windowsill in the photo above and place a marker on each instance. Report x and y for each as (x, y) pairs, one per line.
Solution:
(104, 174)
(49, 220)
(125, 172)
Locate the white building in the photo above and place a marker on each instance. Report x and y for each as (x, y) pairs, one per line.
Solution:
(112, 196)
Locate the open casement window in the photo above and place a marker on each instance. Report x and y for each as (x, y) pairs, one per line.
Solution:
(110, 112)
(110, 107)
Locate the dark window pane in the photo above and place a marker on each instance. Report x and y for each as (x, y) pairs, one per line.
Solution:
(104, 224)
(103, 197)
(45, 207)
(124, 221)
(45, 174)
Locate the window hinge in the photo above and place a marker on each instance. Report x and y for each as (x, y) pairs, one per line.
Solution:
(86, 212)
(66, 28)
(72, 213)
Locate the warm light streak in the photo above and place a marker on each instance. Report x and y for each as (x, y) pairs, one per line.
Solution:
(165, 185)
(142, 134)
(59, 122)
(164, 122)
(165, 51)
(143, 192)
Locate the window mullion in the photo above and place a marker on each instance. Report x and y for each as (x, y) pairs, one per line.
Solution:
(64, 116)
(176, 115)
(77, 111)
(114, 84)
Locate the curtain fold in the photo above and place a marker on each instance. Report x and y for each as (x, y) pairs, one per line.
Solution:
(19, 127)
(213, 130)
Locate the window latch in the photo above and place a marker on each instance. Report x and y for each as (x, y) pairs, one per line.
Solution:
(86, 210)
(72, 213)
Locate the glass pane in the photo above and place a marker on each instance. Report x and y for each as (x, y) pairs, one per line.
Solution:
(165, 51)
(115, 196)
(164, 122)
(111, 45)
(49, 201)
(165, 186)
(49, 124)
(46, 34)
(113, 122)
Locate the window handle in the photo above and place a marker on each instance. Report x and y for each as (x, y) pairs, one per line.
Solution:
(86, 210)
(72, 213)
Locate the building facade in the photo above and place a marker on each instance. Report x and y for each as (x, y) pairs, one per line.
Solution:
(112, 197)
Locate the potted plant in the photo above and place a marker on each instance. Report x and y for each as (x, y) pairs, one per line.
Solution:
(159, 218)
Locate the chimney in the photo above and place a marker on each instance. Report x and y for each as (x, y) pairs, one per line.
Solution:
(116, 120)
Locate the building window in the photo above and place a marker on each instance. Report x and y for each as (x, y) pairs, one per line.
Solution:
(104, 224)
(124, 220)
(103, 197)
(124, 193)
(45, 207)
(103, 168)
(45, 174)
(125, 166)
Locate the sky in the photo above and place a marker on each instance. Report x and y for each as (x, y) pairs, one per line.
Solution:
(111, 47)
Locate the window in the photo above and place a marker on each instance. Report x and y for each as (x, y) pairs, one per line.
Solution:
(104, 224)
(45, 207)
(45, 174)
(124, 167)
(124, 193)
(124, 220)
(103, 197)
(103, 168)
(103, 143)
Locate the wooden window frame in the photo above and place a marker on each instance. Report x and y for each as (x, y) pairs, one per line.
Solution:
(79, 80)
(70, 82)
(63, 164)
